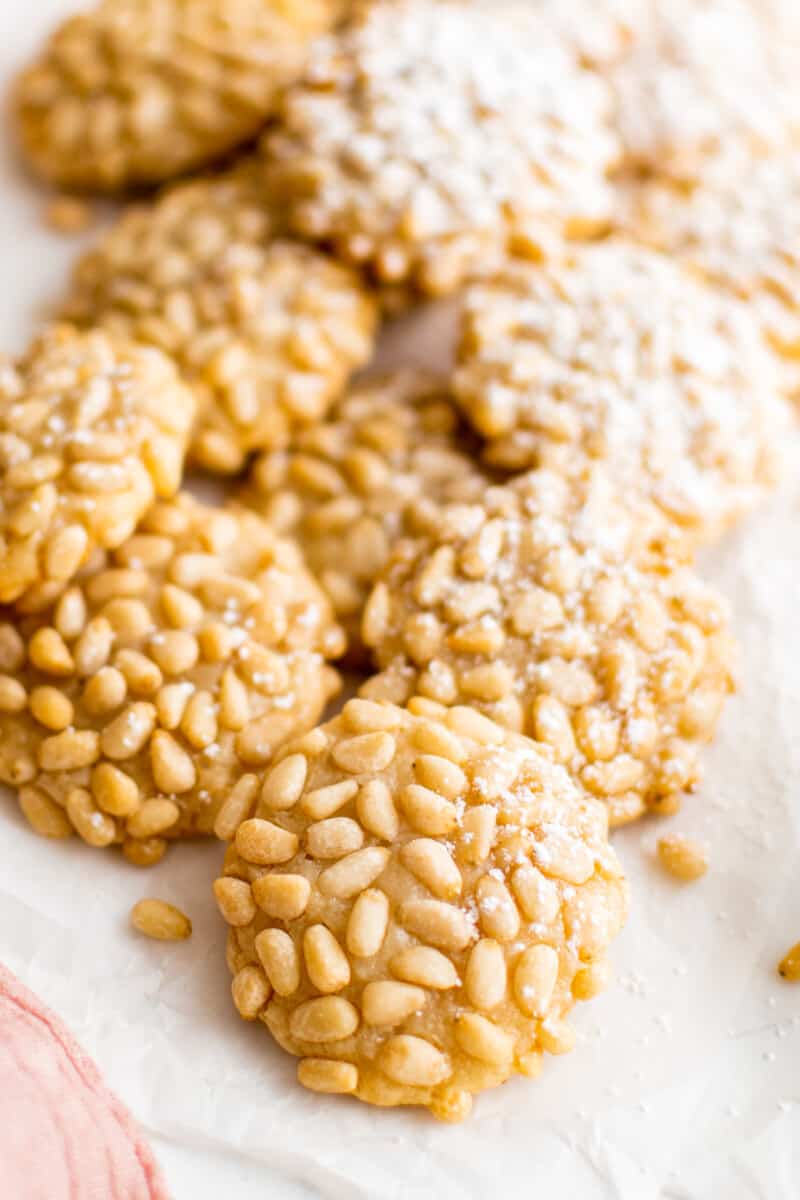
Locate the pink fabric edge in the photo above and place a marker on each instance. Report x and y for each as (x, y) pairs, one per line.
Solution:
(25, 999)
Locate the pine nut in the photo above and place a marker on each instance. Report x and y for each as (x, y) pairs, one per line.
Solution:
(425, 966)
(327, 1075)
(263, 843)
(51, 708)
(144, 852)
(485, 977)
(70, 750)
(236, 808)
(157, 919)
(282, 897)
(328, 1019)
(354, 873)
(430, 862)
(284, 783)
(384, 1002)
(440, 924)
(376, 810)
(683, 857)
(497, 912)
(234, 900)
(535, 976)
(334, 837)
(367, 923)
(365, 752)
(413, 1061)
(477, 834)
(93, 826)
(279, 958)
(426, 811)
(483, 1040)
(43, 814)
(251, 991)
(324, 802)
(153, 817)
(173, 769)
(789, 966)
(326, 962)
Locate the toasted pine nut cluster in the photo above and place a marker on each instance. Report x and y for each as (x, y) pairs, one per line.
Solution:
(92, 429)
(138, 91)
(393, 450)
(265, 331)
(417, 156)
(169, 667)
(417, 898)
(559, 614)
(614, 354)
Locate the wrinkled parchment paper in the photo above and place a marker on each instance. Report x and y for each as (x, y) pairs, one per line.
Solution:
(686, 1081)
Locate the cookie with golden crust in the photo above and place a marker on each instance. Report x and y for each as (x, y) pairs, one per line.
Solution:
(92, 428)
(417, 158)
(614, 354)
(170, 667)
(138, 91)
(265, 330)
(559, 613)
(417, 898)
(392, 450)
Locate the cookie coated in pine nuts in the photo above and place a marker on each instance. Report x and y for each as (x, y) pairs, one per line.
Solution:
(739, 228)
(137, 91)
(615, 354)
(561, 615)
(346, 489)
(416, 157)
(266, 331)
(416, 900)
(705, 76)
(92, 429)
(168, 670)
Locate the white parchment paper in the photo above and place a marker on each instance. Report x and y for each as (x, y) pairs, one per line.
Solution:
(686, 1081)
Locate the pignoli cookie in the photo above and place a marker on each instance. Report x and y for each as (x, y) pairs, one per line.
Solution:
(171, 668)
(416, 900)
(265, 330)
(92, 428)
(138, 91)
(557, 612)
(613, 354)
(705, 76)
(739, 228)
(416, 157)
(346, 489)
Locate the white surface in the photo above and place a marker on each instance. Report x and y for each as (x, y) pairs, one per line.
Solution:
(687, 1083)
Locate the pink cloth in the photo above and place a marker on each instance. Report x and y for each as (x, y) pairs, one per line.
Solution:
(63, 1136)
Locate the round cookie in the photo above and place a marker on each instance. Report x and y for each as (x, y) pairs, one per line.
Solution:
(92, 428)
(138, 91)
(559, 613)
(615, 354)
(346, 489)
(416, 905)
(173, 665)
(265, 330)
(739, 229)
(705, 76)
(416, 157)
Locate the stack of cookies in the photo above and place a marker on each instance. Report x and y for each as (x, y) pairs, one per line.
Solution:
(419, 889)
